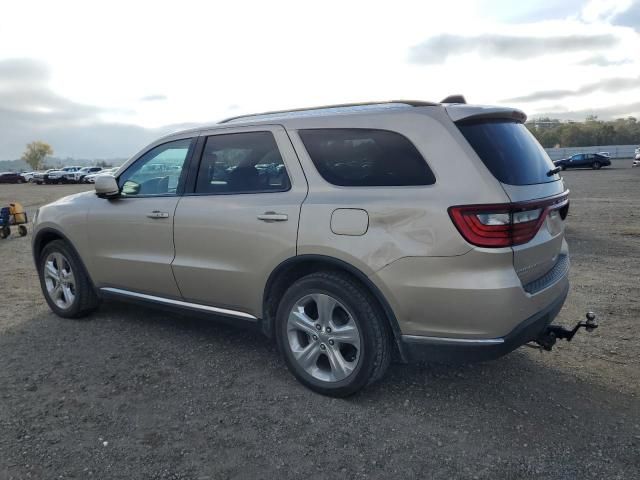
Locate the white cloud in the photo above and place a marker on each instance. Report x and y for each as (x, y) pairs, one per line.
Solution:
(604, 10)
(203, 60)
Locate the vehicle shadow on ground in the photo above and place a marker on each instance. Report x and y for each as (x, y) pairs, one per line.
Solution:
(133, 372)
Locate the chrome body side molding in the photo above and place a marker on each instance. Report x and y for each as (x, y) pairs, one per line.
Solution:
(180, 303)
(451, 341)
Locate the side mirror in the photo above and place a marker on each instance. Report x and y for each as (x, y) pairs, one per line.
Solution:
(107, 186)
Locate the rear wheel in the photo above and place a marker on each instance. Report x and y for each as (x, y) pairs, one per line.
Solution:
(65, 285)
(22, 230)
(332, 334)
(5, 231)
(596, 165)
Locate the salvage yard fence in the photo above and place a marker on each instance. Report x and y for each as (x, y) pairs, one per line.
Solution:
(615, 151)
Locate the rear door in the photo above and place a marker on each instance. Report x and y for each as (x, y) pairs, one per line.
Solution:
(524, 169)
(240, 217)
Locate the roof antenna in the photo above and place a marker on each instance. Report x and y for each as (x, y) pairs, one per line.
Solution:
(454, 99)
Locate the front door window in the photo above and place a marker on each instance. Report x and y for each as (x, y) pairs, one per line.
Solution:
(160, 171)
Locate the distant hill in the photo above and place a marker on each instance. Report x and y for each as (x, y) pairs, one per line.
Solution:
(55, 162)
(12, 166)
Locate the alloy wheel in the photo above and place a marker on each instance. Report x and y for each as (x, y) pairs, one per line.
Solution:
(59, 280)
(324, 337)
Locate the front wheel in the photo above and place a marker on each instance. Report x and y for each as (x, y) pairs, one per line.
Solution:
(333, 335)
(64, 282)
(5, 231)
(596, 165)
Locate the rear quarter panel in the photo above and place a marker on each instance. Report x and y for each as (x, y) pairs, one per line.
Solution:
(403, 221)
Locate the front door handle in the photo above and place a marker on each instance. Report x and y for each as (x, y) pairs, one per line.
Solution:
(158, 214)
(273, 217)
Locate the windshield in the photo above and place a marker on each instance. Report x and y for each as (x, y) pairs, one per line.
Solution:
(509, 151)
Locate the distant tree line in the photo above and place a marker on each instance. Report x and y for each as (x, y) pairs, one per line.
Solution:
(554, 133)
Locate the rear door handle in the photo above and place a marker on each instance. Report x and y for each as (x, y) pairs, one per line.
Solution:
(158, 214)
(273, 217)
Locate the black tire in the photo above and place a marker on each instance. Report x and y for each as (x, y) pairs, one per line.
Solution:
(22, 230)
(86, 299)
(596, 165)
(563, 168)
(376, 342)
(5, 231)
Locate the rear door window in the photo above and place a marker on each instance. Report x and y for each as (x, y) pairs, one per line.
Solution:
(365, 158)
(242, 163)
(509, 151)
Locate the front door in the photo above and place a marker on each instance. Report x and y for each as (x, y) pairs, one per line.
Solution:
(131, 237)
(241, 218)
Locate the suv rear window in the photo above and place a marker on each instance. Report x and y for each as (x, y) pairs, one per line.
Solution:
(365, 158)
(509, 151)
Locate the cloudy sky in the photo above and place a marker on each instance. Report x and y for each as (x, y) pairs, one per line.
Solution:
(101, 79)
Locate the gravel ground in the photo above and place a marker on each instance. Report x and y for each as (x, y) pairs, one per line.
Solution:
(139, 393)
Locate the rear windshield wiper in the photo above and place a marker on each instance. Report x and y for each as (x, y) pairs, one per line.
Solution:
(553, 171)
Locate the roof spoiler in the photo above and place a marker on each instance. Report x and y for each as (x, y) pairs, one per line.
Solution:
(454, 99)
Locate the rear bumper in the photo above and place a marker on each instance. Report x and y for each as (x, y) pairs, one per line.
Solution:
(459, 350)
(475, 296)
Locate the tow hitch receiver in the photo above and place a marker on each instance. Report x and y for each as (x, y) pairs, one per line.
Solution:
(548, 337)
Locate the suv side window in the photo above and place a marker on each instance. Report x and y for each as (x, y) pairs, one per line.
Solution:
(365, 158)
(241, 163)
(157, 172)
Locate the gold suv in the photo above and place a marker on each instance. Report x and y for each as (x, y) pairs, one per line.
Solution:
(350, 234)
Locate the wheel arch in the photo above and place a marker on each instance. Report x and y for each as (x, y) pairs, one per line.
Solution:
(47, 235)
(296, 267)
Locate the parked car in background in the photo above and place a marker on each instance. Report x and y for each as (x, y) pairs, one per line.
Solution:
(584, 160)
(91, 178)
(11, 177)
(605, 154)
(38, 177)
(329, 229)
(28, 176)
(59, 176)
(638, 153)
(78, 176)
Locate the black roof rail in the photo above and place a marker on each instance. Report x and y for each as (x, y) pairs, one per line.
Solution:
(454, 99)
(412, 103)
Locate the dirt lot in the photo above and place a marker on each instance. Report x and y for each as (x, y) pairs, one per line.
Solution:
(137, 393)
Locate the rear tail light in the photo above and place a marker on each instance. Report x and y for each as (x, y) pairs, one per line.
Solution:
(507, 224)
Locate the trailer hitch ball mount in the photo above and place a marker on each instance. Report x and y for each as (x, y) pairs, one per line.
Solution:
(552, 333)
